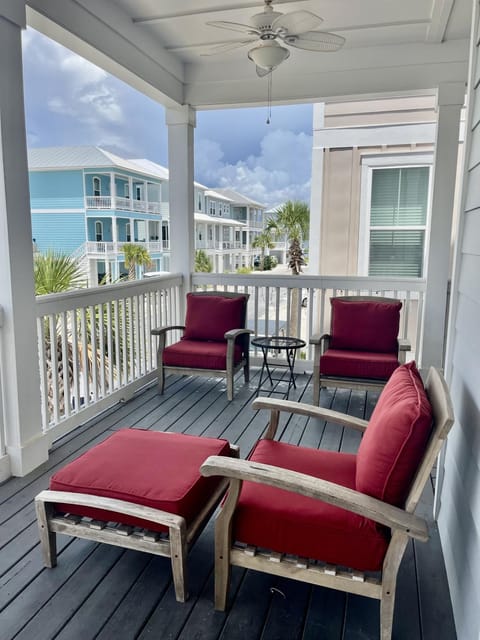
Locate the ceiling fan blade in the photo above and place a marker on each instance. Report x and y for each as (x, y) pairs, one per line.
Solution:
(233, 26)
(261, 72)
(227, 46)
(296, 22)
(315, 41)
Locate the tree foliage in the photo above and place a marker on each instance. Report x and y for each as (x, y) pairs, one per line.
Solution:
(135, 255)
(292, 220)
(56, 272)
(202, 262)
(264, 241)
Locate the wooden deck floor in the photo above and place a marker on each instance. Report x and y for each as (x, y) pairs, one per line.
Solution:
(103, 592)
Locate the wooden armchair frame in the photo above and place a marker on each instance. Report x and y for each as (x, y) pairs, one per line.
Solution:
(404, 524)
(230, 336)
(322, 342)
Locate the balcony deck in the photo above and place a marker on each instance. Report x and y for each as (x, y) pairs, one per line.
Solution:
(105, 592)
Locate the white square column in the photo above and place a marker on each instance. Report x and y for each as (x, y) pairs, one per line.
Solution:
(181, 124)
(26, 446)
(450, 99)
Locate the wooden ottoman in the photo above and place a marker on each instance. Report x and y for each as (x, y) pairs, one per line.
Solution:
(139, 490)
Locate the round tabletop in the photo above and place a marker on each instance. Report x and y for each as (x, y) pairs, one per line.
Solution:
(278, 342)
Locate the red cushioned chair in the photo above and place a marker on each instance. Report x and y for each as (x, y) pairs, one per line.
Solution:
(362, 349)
(137, 489)
(350, 513)
(215, 341)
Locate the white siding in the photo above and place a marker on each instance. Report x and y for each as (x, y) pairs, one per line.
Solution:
(459, 517)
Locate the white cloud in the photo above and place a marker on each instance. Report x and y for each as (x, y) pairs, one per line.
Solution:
(280, 172)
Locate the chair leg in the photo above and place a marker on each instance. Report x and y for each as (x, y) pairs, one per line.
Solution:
(178, 553)
(316, 389)
(48, 539)
(222, 567)
(387, 606)
(160, 378)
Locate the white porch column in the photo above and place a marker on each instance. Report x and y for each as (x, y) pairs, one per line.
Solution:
(26, 446)
(113, 191)
(316, 193)
(181, 123)
(450, 100)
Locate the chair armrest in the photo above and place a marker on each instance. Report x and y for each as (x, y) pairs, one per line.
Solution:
(112, 504)
(159, 331)
(318, 339)
(311, 411)
(234, 333)
(302, 484)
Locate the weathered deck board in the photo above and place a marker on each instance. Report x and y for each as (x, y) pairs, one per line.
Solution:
(105, 592)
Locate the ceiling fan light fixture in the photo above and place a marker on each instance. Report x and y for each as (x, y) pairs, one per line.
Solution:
(269, 55)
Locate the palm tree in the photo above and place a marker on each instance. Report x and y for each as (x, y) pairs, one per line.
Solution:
(56, 272)
(202, 262)
(135, 255)
(292, 219)
(264, 241)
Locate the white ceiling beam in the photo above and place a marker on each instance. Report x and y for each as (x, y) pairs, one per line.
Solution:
(441, 10)
(208, 11)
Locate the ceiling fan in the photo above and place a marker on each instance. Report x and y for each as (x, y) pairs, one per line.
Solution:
(294, 29)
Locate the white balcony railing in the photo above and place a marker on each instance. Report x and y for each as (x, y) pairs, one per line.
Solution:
(95, 249)
(95, 346)
(123, 204)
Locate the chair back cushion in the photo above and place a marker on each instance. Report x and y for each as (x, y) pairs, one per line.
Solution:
(210, 317)
(395, 439)
(364, 325)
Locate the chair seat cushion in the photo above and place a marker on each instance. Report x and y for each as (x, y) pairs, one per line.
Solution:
(285, 522)
(151, 468)
(395, 439)
(358, 364)
(209, 317)
(199, 354)
(365, 325)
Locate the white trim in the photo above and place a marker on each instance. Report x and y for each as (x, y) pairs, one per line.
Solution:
(58, 210)
(387, 161)
(373, 136)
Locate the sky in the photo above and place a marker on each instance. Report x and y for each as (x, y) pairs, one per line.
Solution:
(69, 101)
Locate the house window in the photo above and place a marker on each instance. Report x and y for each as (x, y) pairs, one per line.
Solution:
(138, 192)
(395, 204)
(126, 190)
(199, 202)
(128, 232)
(98, 231)
(212, 208)
(97, 191)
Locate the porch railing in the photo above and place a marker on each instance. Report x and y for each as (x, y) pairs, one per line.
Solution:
(123, 204)
(95, 347)
(300, 305)
(101, 248)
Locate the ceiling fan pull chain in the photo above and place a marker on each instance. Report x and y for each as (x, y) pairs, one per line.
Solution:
(269, 97)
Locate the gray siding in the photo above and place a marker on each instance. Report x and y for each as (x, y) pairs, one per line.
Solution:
(459, 518)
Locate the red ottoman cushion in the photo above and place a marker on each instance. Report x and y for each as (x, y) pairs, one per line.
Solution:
(196, 354)
(358, 364)
(285, 522)
(395, 439)
(365, 325)
(151, 468)
(210, 317)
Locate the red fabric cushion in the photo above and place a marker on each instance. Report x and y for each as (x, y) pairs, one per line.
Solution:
(365, 326)
(358, 364)
(195, 354)
(395, 439)
(282, 521)
(210, 317)
(151, 468)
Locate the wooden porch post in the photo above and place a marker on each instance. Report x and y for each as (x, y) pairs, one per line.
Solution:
(181, 123)
(316, 196)
(25, 444)
(450, 100)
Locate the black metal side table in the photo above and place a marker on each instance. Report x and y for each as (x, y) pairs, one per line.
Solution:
(278, 343)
